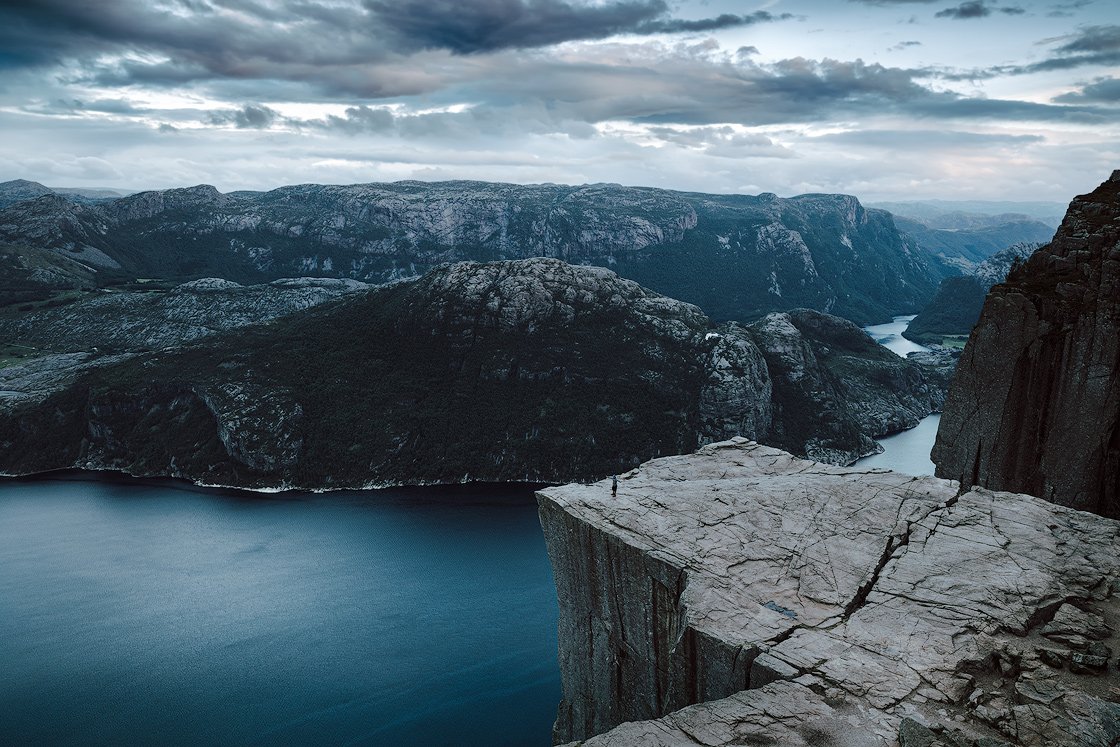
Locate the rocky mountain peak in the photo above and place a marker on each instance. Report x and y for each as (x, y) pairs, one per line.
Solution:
(529, 292)
(18, 190)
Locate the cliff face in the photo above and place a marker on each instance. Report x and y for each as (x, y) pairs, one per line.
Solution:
(525, 370)
(736, 256)
(798, 603)
(1035, 405)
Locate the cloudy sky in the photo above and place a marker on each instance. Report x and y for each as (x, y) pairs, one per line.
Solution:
(884, 99)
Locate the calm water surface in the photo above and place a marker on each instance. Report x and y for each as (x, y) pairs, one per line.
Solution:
(907, 451)
(890, 336)
(133, 612)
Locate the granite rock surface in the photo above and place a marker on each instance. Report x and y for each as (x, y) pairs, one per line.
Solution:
(740, 595)
(1035, 405)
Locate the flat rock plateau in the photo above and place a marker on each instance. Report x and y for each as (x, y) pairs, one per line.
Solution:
(742, 596)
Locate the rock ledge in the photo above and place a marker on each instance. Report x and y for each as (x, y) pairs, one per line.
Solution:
(740, 595)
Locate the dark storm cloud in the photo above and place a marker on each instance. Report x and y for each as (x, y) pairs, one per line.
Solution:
(679, 89)
(1091, 45)
(977, 9)
(357, 47)
(358, 119)
(1100, 91)
(1093, 39)
(489, 25)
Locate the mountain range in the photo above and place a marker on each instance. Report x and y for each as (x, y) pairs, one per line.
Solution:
(736, 256)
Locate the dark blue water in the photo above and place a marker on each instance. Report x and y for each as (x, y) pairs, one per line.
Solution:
(134, 612)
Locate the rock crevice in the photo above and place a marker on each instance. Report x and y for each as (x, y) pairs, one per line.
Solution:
(854, 600)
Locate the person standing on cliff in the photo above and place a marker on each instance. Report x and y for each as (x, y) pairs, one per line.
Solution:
(614, 484)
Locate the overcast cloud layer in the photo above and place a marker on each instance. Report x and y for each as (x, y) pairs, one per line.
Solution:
(885, 99)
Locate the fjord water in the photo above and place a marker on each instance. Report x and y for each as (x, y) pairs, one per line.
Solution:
(907, 451)
(135, 612)
(890, 336)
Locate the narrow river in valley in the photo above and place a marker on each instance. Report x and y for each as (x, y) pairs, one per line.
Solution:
(907, 451)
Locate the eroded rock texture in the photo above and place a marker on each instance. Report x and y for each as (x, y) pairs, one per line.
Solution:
(1035, 406)
(800, 603)
(156, 319)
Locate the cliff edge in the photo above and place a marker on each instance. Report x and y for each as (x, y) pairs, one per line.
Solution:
(1035, 405)
(740, 595)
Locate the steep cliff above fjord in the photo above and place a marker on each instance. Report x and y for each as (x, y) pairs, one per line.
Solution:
(736, 256)
(739, 596)
(517, 370)
(1035, 405)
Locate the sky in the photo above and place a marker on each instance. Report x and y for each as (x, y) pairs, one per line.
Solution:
(883, 99)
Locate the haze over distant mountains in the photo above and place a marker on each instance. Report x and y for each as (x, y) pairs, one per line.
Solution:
(957, 214)
(19, 190)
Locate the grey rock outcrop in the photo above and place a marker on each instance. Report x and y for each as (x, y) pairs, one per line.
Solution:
(742, 596)
(835, 389)
(139, 320)
(1035, 406)
(19, 190)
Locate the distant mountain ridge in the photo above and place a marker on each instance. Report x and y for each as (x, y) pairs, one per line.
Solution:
(736, 256)
(19, 190)
(956, 306)
(959, 251)
(959, 213)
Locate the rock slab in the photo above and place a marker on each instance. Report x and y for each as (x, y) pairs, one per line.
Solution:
(740, 595)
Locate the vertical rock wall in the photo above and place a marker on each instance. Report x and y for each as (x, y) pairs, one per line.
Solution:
(627, 652)
(1035, 405)
(739, 596)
